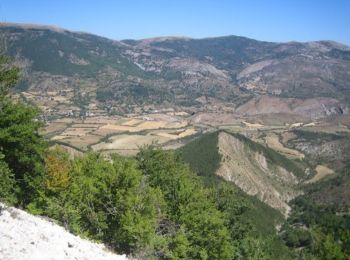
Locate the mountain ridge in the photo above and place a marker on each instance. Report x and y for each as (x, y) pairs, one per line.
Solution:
(170, 37)
(176, 71)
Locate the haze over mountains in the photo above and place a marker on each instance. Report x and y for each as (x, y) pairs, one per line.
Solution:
(231, 73)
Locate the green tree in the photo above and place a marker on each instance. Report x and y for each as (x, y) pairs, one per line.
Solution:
(195, 227)
(9, 76)
(7, 183)
(22, 146)
(20, 143)
(108, 200)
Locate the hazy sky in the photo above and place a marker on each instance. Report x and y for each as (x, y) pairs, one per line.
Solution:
(270, 20)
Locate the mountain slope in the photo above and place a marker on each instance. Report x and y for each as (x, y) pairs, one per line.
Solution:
(175, 71)
(254, 173)
(257, 170)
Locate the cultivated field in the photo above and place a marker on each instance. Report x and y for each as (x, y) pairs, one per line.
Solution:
(118, 134)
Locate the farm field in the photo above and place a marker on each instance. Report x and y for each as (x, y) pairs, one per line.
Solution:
(124, 135)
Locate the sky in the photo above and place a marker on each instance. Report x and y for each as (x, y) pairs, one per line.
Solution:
(268, 20)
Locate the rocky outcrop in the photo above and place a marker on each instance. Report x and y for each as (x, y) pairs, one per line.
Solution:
(24, 236)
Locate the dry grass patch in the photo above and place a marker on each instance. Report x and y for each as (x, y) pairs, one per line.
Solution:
(321, 172)
(82, 142)
(132, 122)
(152, 125)
(129, 142)
(86, 125)
(273, 142)
(59, 137)
(77, 131)
(178, 135)
(67, 120)
(105, 131)
(54, 127)
(101, 120)
(119, 128)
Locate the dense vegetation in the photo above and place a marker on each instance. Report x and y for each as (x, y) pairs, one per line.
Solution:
(52, 52)
(21, 148)
(319, 226)
(202, 154)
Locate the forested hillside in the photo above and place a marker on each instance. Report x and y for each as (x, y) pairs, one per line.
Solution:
(319, 226)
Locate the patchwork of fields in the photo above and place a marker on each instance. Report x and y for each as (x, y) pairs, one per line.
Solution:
(119, 134)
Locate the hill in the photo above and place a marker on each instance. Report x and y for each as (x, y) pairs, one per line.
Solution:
(257, 170)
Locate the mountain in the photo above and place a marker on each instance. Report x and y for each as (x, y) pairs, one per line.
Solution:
(215, 73)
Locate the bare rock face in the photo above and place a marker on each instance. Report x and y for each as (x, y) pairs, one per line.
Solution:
(250, 171)
(24, 236)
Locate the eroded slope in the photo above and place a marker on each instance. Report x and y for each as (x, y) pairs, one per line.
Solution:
(255, 174)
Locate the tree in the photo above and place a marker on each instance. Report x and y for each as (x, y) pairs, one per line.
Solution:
(7, 182)
(21, 145)
(9, 76)
(57, 175)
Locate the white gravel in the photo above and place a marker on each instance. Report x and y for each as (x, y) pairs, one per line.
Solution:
(24, 236)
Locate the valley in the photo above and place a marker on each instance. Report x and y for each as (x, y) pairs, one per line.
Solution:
(92, 127)
(252, 136)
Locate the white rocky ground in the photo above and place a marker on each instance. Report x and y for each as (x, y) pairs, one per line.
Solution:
(24, 236)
